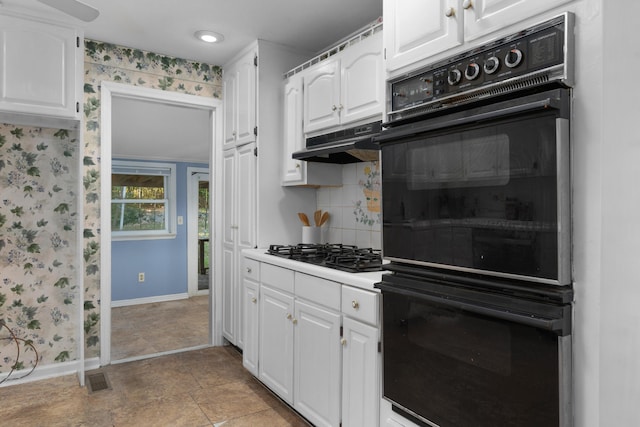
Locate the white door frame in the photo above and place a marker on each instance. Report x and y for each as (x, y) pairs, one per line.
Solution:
(193, 178)
(108, 91)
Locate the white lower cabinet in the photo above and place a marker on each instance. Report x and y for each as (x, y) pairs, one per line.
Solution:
(313, 342)
(251, 313)
(360, 378)
(276, 342)
(316, 363)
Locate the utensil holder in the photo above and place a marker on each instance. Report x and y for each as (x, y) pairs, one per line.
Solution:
(310, 235)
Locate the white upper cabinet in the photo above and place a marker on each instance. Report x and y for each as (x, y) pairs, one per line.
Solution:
(239, 86)
(418, 29)
(40, 68)
(415, 29)
(485, 16)
(362, 80)
(322, 96)
(346, 88)
(293, 170)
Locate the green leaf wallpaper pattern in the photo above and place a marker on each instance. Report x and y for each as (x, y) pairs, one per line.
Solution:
(38, 247)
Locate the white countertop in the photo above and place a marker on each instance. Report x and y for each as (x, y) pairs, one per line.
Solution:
(360, 280)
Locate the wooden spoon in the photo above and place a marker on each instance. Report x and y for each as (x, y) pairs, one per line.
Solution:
(303, 217)
(317, 215)
(324, 218)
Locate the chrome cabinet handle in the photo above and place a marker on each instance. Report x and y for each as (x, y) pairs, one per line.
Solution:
(248, 269)
(450, 12)
(254, 300)
(295, 321)
(289, 316)
(467, 4)
(298, 166)
(334, 108)
(355, 304)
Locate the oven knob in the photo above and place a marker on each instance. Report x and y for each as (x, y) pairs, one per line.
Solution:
(472, 71)
(454, 77)
(513, 58)
(491, 65)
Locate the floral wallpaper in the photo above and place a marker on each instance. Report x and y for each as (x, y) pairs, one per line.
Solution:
(38, 244)
(108, 62)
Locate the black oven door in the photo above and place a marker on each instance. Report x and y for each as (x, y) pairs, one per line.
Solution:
(458, 357)
(484, 189)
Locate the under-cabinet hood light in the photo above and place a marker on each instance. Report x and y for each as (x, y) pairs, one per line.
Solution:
(209, 36)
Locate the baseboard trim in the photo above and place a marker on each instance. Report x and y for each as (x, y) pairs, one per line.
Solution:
(48, 371)
(149, 300)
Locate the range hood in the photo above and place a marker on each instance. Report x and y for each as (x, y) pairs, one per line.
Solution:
(344, 146)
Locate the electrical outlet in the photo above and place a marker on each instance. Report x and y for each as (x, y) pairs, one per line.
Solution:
(140, 277)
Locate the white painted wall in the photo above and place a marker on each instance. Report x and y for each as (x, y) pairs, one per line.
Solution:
(619, 316)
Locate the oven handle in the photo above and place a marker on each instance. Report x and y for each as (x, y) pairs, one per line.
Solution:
(557, 326)
(435, 124)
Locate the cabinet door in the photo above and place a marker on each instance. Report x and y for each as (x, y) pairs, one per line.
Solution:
(230, 101)
(239, 88)
(322, 96)
(418, 29)
(229, 184)
(246, 197)
(317, 362)
(250, 326)
(38, 66)
(362, 80)
(276, 342)
(246, 103)
(360, 380)
(484, 16)
(229, 298)
(293, 171)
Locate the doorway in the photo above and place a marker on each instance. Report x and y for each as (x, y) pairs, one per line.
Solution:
(113, 92)
(199, 226)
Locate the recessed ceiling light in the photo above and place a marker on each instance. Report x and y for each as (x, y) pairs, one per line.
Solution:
(209, 36)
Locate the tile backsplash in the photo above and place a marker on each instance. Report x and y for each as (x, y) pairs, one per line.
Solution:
(354, 208)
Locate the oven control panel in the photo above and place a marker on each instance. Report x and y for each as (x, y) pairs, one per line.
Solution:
(533, 56)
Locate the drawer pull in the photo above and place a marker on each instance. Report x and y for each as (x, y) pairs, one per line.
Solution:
(355, 304)
(248, 269)
(254, 300)
(289, 316)
(343, 341)
(295, 321)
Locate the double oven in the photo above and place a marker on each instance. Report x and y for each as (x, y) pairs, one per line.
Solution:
(476, 194)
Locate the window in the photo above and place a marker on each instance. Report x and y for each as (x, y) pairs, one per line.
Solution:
(143, 200)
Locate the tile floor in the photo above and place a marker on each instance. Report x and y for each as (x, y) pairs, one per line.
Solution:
(206, 387)
(144, 329)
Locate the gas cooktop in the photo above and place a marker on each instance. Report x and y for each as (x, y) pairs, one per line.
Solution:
(341, 257)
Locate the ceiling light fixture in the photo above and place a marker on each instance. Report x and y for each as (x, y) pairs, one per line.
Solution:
(209, 36)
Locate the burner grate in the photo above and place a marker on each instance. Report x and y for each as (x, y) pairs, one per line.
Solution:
(333, 255)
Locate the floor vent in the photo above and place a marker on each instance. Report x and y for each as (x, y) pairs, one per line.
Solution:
(97, 382)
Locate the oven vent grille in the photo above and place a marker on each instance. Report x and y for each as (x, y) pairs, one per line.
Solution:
(514, 85)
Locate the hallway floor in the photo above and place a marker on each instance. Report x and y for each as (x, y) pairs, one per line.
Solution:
(206, 387)
(138, 330)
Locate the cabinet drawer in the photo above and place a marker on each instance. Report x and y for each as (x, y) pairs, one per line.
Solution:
(360, 304)
(251, 269)
(276, 277)
(317, 290)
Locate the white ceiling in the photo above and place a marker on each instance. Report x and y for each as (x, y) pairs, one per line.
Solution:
(167, 26)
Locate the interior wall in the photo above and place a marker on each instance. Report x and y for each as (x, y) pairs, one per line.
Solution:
(108, 62)
(355, 216)
(163, 261)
